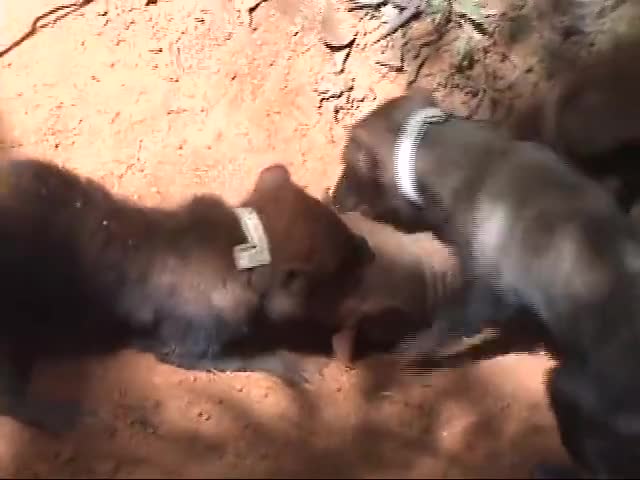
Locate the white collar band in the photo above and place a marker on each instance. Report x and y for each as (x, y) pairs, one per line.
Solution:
(406, 149)
(255, 252)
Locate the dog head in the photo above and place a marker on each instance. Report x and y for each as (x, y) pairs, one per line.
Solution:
(367, 184)
(315, 257)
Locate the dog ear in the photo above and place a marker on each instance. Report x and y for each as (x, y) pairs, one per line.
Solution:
(273, 177)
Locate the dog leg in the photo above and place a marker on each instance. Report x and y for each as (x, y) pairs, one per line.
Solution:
(586, 412)
(468, 319)
(53, 417)
(342, 343)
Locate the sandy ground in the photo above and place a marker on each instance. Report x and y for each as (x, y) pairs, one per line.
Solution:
(159, 102)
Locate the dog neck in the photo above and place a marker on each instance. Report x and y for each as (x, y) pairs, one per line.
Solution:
(406, 150)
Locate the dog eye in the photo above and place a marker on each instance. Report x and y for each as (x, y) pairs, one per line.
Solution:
(291, 276)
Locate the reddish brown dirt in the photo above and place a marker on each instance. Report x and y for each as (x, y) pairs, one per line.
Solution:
(163, 101)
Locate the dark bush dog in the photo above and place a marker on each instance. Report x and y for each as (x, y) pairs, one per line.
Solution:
(86, 272)
(535, 238)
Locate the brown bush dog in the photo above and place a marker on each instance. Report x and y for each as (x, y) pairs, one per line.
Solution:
(411, 274)
(591, 114)
(86, 272)
(534, 236)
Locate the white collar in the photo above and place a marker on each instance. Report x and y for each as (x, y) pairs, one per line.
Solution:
(255, 252)
(406, 148)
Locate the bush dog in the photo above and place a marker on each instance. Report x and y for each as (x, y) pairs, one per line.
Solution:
(86, 272)
(535, 237)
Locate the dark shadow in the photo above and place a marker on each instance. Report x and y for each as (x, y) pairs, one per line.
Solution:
(20, 399)
(58, 13)
(384, 372)
(460, 426)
